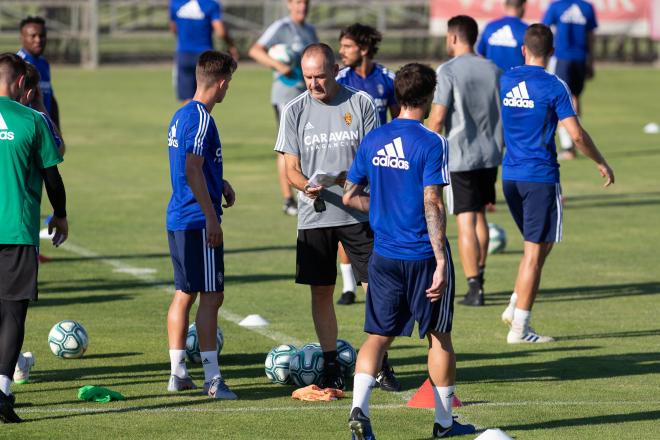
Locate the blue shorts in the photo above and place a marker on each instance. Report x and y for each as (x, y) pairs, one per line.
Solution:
(573, 73)
(396, 297)
(536, 208)
(197, 267)
(184, 75)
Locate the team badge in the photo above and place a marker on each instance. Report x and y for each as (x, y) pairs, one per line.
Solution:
(381, 89)
(348, 118)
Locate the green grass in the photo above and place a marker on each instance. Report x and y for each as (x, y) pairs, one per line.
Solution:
(599, 296)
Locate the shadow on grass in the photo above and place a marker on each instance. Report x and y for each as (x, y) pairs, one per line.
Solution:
(112, 355)
(611, 200)
(583, 293)
(586, 421)
(79, 300)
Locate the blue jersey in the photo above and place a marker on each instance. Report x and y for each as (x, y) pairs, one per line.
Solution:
(193, 131)
(53, 130)
(193, 19)
(44, 72)
(533, 101)
(379, 84)
(501, 42)
(398, 160)
(573, 21)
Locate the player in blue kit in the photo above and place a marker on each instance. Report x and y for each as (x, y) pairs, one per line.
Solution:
(194, 22)
(358, 44)
(502, 39)
(533, 102)
(574, 22)
(34, 37)
(193, 224)
(411, 274)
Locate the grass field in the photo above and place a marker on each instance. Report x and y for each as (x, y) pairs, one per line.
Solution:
(600, 295)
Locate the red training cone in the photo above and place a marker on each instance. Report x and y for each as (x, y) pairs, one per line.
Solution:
(423, 398)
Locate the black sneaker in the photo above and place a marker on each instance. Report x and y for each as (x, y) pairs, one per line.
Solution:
(454, 430)
(360, 425)
(347, 298)
(7, 414)
(332, 378)
(386, 379)
(474, 296)
(290, 207)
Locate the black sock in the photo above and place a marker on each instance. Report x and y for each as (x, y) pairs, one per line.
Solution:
(473, 281)
(330, 359)
(482, 272)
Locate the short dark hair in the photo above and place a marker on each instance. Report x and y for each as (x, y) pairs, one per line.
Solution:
(11, 67)
(414, 83)
(539, 40)
(515, 3)
(213, 65)
(326, 50)
(364, 36)
(465, 27)
(32, 20)
(32, 77)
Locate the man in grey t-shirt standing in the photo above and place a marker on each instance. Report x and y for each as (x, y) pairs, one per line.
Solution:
(319, 134)
(466, 103)
(293, 32)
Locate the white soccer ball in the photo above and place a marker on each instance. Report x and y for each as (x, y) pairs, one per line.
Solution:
(497, 239)
(306, 367)
(281, 53)
(277, 363)
(68, 339)
(192, 344)
(346, 356)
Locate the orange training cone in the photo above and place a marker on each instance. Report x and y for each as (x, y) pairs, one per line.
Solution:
(423, 398)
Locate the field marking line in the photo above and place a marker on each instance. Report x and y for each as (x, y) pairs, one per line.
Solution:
(150, 279)
(290, 408)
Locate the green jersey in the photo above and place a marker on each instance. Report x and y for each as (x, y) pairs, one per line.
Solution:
(26, 147)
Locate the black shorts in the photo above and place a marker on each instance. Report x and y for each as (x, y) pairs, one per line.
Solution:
(19, 265)
(471, 191)
(316, 253)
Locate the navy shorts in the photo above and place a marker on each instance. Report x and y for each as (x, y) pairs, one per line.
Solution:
(197, 267)
(396, 297)
(573, 73)
(536, 208)
(184, 75)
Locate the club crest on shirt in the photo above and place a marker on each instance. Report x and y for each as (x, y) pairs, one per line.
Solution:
(348, 118)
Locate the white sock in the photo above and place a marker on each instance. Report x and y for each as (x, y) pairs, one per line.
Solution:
(564, 138)
(513, 300)
(178, 363)
(362, 386)
(210, 364)
(5, 384)
(348, 278)
(521, 319)
(443, 397)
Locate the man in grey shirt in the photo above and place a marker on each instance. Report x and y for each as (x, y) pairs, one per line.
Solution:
(466, 103)
(288, 83)
(320, 132)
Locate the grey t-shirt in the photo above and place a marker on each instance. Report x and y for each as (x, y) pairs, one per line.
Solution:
(297, 37)
(468, 86)
(326, 138)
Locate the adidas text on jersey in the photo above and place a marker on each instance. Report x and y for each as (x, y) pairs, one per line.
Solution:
(518, 97)
(391, 156)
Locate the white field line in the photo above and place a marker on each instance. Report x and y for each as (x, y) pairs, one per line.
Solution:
(311, 407)
(150, 279)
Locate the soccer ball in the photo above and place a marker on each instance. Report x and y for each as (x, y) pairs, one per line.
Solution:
(346, 356)
(497, 239)
(281, 53)
(306, 366)
(277, 363)
(68, 339)
(192, 344)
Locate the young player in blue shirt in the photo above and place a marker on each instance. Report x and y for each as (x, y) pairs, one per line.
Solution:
(194, 22)
(533, 102)
(411, 274)
(502, 39)
(574, 22)
(193, 224)
(34, 37)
